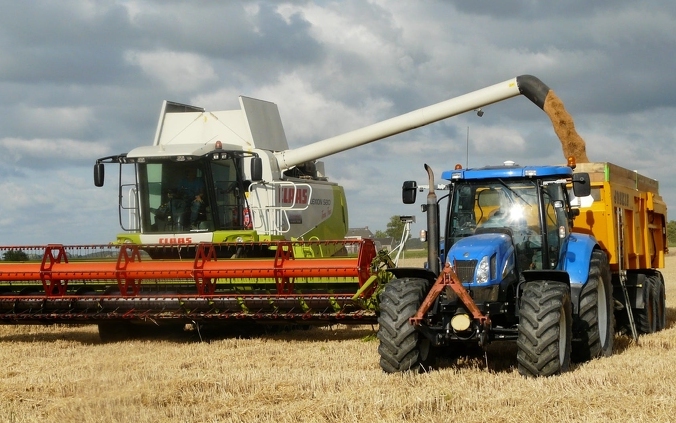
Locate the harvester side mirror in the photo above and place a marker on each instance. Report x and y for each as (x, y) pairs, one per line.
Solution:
(408, 192)
(581, 184)
(99, 173)
(256, 169)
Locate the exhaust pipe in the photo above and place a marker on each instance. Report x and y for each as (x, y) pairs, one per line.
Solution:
(433, 260)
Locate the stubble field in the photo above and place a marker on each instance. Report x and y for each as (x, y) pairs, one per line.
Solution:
(65, 374)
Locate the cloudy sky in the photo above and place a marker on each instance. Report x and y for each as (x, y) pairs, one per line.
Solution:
(82, 79)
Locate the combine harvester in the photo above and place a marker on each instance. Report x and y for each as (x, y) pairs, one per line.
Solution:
(229, 226)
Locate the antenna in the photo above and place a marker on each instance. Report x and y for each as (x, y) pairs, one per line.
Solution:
(467, 150)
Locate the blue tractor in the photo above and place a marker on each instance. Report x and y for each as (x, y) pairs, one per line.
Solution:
(506, 266)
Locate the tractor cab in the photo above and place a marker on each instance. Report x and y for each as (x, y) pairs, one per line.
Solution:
(529, 213)
(504, 220)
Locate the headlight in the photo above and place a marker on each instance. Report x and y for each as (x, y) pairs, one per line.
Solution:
(483, 270)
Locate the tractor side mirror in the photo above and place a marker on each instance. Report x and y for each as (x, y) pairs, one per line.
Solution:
(256, 169)
(408, 192)
(99, 174)
(581, 185)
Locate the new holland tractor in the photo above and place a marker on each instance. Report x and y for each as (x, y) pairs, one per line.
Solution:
(225, 225)
(525, 257)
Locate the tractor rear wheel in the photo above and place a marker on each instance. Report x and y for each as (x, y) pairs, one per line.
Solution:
(594, 324)
(545, 329)
(402, 347)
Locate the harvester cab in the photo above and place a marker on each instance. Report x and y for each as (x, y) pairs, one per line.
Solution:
(213, 177)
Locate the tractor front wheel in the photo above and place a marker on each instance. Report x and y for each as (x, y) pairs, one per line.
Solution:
(402, 347)
(545, 329)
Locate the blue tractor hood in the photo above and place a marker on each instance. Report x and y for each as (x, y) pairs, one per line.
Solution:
(483, 259)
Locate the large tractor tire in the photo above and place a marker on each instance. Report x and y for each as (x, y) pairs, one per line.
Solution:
(402, 347)
(594, 325)
(545, 329)
(659, 298)
(646, 317)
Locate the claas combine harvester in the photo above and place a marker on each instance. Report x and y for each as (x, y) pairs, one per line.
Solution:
(225, 225)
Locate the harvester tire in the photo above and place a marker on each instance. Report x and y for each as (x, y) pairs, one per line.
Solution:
(659, 301)
(115, 331)
(402, 347)
(594, 325)
(545, 329)
(646, 317)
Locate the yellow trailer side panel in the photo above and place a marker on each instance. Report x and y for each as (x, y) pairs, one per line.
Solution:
(626, 215)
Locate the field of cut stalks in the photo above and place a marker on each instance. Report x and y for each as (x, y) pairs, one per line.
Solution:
(65, 374)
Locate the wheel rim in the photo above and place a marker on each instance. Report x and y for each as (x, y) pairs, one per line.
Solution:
(602, 308)
(563, 336)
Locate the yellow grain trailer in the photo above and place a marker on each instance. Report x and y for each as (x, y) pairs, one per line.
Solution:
(628, 217)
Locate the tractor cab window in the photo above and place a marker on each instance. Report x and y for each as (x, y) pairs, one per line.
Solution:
(499, 206)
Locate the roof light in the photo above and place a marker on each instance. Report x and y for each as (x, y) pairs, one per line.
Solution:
(219, 145)
(530, 172)
(456, 175)
(458, 166)
(571, 162)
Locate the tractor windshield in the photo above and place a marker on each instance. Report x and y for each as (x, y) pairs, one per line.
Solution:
(191, 196)
(496, 206)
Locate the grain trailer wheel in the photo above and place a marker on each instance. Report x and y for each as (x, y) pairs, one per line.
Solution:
(545, 329)
(646, 318)
(659, 297)
(594, 325)
(402, 347)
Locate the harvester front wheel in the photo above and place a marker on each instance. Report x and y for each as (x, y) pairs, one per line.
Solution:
(115, 331)
(545, 329)
(594, 324)
(402, 347)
